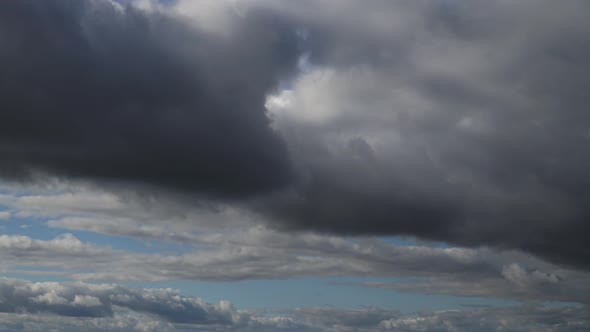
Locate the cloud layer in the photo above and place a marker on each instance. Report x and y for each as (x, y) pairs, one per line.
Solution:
(261, 254)
(108, 307)
(453, 121)
(87, 300)
(457, 122)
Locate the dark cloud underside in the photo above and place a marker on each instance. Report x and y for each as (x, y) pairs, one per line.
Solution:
(88, 90)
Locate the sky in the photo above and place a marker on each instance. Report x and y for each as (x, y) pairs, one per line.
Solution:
(294, 165)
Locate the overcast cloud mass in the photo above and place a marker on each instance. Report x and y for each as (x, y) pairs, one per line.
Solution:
(422, 148)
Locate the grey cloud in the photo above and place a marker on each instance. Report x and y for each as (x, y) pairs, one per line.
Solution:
(108, 307)
(120, 323)
(88, 300)
(259, 253)
(249, 251)
(471, 117)
(92, 89)
(516, 318)
(136, 215)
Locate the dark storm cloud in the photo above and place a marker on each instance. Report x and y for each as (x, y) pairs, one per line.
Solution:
(464, 122)
(95, 91)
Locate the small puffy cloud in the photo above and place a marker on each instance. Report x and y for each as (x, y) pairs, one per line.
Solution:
(261, 253)
(518, 275)
(91, 300)
(66, 246)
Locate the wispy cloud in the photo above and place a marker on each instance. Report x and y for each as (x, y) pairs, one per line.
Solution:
(263, 254)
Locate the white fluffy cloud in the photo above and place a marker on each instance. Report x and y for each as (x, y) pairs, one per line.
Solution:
(92, 300)
(26, 306)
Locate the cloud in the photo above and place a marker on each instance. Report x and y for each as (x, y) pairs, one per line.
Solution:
(450, 121)
(259, 134)
(38, 322)
(112, 93)
(107, 307)
(65, 248)
(133, 214)
(260, 254)
(90, 300)
(226, 245)
(447, 121)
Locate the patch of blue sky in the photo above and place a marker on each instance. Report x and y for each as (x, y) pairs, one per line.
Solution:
(412, 241)
(35, 277)
(36, 228)
(337, 293)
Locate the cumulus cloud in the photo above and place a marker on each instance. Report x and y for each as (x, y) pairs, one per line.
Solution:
(96, 89)
(459, 122)
(448, 121)
(90, 300)
(260, 253)
(108, 307)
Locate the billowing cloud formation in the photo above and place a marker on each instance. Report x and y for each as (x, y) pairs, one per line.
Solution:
(94, 89)
(88, 300)
(458, 121)
(75, 306)
(462, 122)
